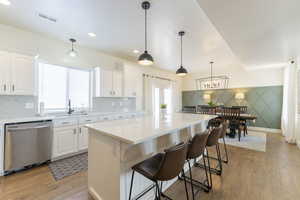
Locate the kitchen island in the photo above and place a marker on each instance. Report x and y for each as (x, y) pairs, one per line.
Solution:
(115, 146)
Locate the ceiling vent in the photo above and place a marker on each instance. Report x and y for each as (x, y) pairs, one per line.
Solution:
(47, 17)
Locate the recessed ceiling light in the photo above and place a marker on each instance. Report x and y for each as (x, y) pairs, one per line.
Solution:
(136, 51)
(5, 2)
(92, 34)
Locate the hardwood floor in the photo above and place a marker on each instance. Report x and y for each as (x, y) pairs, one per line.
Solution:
(250, 175)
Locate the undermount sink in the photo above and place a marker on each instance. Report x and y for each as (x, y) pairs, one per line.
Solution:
(71, 115)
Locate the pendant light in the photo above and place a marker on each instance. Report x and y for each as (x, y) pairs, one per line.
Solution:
(181, 71)
(72, 53)
(145, 58)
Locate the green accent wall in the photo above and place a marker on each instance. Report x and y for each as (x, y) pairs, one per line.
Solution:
(263, 102)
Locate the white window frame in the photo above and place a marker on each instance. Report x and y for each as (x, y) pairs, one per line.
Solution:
(60, 110)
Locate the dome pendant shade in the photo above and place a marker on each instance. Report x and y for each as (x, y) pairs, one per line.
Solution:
(181, 71)
(146, 59)
(72, 53)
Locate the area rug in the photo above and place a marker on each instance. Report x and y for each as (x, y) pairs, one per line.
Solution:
(254, 140)
(69, 166)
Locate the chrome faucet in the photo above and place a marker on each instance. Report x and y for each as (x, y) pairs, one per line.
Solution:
(70, 110)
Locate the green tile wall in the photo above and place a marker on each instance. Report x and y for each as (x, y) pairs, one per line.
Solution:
(264, 102)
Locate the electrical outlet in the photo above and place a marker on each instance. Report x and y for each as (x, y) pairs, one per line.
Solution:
(29, 105)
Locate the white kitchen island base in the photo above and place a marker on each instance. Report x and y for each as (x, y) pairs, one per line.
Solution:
(114, 147)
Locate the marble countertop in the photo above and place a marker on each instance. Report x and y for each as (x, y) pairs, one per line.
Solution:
(25, 119)
(141, 129)
(6, 120)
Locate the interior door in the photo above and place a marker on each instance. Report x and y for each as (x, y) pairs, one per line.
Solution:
(5, 72)
(23, 78)
(162, 95)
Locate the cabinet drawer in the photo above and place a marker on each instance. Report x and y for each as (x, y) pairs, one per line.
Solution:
(88, 120)
(65, 122)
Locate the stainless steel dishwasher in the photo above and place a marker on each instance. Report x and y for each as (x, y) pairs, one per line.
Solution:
(27, 144)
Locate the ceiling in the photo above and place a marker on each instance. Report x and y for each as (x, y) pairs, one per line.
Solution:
(260, 32)
(119, 26)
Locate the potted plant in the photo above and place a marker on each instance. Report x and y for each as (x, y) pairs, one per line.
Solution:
(211, 104)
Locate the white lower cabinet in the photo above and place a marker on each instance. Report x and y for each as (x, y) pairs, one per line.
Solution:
(69, 140)
(65, 141)
(83, 138)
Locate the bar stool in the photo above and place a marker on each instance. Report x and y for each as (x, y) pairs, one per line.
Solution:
(196, 148)
(213, 140)
(162, 167)
(224, 127)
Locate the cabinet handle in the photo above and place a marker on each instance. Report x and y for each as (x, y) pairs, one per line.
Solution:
(13, 87)
(79, 130)
(74, 131)
(4, 87)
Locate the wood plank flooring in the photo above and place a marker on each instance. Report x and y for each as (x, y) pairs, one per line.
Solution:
(250, 175)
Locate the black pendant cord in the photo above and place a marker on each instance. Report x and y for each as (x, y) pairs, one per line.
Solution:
(211, 74)
(72, 46)
(146, 48)
(181, 51)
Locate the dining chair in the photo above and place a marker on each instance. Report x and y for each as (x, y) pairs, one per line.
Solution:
(243, 122)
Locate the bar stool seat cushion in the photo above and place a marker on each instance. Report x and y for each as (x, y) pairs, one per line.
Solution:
(150, 166)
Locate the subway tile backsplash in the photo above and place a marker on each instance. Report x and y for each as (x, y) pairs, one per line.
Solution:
(114, 104)
(17, 106)
(27, 106)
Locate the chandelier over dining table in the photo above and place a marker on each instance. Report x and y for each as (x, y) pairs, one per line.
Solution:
(212, 82)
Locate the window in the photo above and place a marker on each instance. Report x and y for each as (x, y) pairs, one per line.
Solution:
(59, 84)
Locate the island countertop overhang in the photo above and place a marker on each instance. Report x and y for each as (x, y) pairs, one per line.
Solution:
(138, 130)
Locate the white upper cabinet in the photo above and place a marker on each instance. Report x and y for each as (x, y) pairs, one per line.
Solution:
(133, 84)
(117, 83)
(22, 75)
(108, 82)
(17, 75)
(5, 72)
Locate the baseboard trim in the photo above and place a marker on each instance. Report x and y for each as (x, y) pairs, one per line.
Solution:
(269, 130)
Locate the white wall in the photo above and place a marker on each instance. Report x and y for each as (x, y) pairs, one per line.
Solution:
(239, 77)
(55, 52)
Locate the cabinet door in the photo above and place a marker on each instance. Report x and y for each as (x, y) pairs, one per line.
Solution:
(65, 141)
(23, 78)
(106, 83)
(132, 81)
(5, 72)
(117, 83)
(83, 138)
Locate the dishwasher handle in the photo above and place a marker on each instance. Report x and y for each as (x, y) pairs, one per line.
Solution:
(27, 128)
